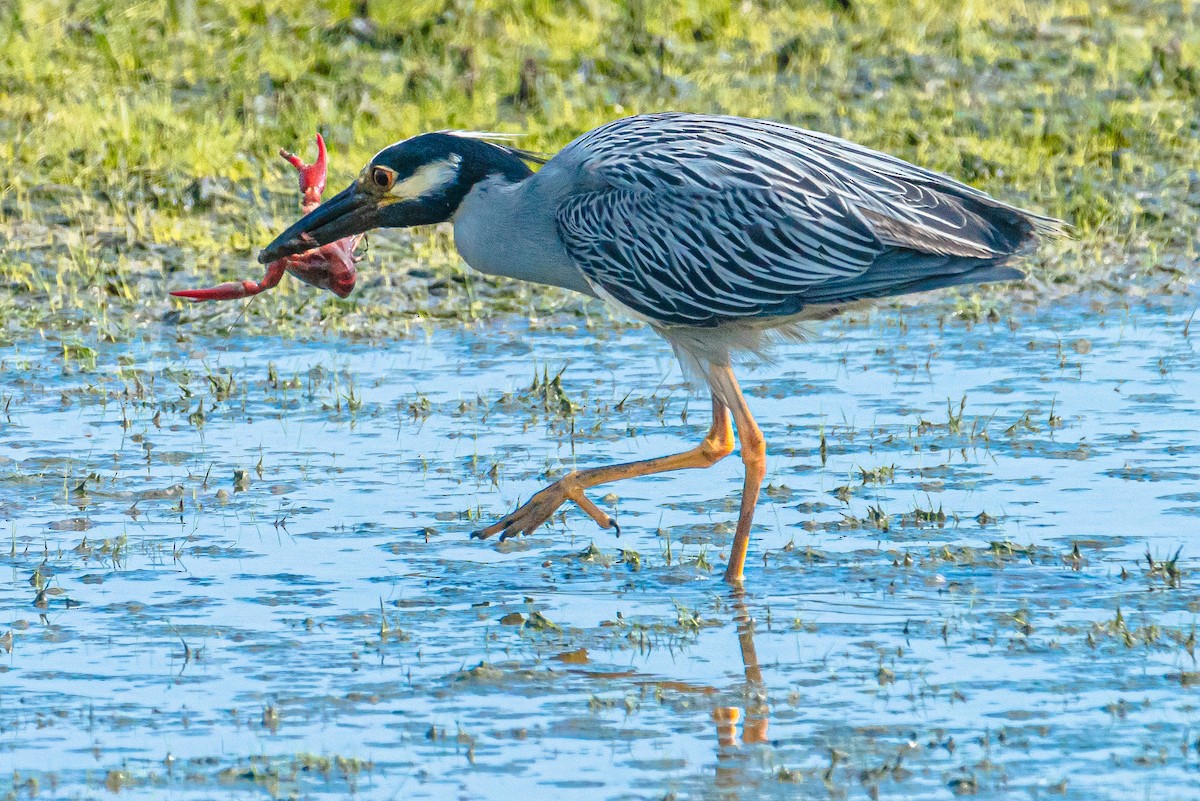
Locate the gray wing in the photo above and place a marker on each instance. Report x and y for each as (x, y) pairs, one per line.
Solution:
(686, 259)
(695, 220)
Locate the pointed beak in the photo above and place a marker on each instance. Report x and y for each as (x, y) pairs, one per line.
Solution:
(347, 213)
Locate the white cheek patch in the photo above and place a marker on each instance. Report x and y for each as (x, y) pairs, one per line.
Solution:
(426, 179)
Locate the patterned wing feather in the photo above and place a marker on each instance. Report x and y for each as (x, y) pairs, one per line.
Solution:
(687, 258)
(691, 219)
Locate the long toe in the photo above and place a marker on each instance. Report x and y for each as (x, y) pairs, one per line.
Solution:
(540, 508)
(502, 526)
(602, 519)
(487, 531)
(527, 518)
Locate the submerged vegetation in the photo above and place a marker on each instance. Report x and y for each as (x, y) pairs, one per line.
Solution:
(137, 141)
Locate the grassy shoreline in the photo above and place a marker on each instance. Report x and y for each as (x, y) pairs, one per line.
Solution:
(137, 143)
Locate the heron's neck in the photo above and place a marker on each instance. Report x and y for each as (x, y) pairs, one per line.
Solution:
(507, 227)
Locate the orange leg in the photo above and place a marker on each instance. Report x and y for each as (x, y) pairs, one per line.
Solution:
(717, 444)
(754, 456)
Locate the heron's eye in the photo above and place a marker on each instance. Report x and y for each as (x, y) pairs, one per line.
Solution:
(383, 178)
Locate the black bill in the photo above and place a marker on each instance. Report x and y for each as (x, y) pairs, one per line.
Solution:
(347, 213)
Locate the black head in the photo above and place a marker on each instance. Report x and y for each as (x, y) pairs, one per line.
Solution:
(420, 181)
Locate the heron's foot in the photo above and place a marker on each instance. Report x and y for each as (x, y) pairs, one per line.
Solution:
(541, 507)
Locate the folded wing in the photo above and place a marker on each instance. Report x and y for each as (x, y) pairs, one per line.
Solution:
(693, 220)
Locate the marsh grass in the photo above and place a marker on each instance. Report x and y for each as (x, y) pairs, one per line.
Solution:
(138, 141)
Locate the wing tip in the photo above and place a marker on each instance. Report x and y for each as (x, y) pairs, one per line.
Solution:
(1049, 226)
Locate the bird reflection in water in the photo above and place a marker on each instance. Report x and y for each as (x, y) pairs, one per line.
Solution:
(756, 717)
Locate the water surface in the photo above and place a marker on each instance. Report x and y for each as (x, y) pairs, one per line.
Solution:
(240, 567)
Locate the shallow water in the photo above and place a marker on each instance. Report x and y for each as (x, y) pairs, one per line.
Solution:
(240, 567)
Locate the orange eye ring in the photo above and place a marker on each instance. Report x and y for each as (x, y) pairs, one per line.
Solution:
(383, 178)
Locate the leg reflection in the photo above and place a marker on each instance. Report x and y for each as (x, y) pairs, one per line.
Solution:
(757, 712)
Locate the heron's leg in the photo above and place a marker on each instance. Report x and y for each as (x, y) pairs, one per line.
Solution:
(717, 444)
(754, 456)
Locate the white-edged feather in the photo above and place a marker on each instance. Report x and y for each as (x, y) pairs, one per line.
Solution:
(427, 178)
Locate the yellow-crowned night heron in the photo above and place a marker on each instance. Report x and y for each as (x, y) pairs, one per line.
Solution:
(718, 232)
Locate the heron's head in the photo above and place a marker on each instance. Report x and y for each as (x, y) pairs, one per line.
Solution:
(420, 181)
